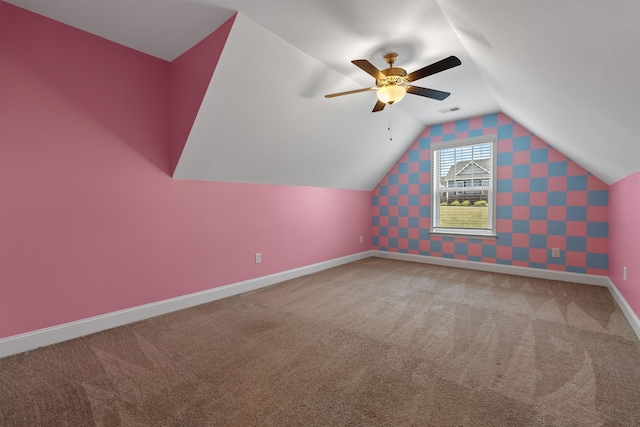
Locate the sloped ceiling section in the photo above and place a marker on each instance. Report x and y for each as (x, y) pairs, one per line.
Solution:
(161, 28)
(566, 70)
(263, 120)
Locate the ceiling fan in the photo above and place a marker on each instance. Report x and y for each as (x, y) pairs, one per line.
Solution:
(393, 83)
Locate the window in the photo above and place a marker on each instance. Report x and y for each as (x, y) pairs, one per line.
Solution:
(464, 187)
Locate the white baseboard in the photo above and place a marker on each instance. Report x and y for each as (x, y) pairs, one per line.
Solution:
(585, 279)
(59, 333)
(55, 334)
(632, 318)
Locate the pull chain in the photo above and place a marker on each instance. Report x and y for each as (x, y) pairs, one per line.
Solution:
(390, 128)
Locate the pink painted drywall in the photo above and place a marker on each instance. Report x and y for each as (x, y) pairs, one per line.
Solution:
(90, 220)
(624, 238)
(190, 75)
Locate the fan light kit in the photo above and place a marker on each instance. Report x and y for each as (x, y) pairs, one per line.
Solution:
(393, 83)
(391, 94)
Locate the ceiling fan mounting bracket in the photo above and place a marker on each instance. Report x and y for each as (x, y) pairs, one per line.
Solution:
(391, 58)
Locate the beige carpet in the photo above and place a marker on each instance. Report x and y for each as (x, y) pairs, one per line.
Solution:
(376, 342)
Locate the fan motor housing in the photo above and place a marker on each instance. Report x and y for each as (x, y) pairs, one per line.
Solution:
(394, 71)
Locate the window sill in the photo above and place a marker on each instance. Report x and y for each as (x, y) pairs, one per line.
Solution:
(488, 235)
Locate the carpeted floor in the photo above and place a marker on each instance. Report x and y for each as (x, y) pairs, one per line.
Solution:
(372, 343)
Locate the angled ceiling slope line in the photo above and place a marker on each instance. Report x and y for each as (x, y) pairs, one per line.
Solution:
(190, 75)
(264, 120)
(565, 71)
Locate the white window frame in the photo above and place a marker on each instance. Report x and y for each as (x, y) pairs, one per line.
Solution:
(492, 190)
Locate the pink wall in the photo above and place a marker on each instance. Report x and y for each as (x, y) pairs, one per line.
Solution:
(90, 220)
(624, 238)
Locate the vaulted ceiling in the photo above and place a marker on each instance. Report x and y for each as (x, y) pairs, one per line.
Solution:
(566, 70)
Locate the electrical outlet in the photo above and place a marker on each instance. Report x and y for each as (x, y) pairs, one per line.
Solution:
(258, 258)
(555, 253)
(624, 273)
(361, 239)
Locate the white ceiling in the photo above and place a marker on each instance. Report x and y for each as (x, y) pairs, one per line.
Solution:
(566, 70)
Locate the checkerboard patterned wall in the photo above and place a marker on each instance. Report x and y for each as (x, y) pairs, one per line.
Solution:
(544, 201)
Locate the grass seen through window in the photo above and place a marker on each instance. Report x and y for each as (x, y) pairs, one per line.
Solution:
(464, 217)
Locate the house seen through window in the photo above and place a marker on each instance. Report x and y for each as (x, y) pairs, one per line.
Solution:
(464, 187)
